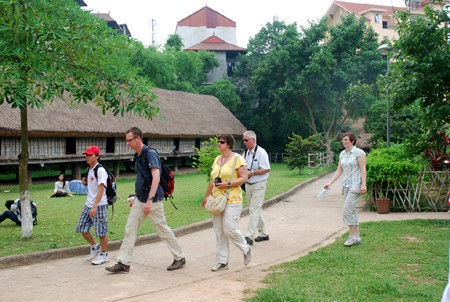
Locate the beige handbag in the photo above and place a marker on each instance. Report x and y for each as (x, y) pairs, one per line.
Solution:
(216, 205)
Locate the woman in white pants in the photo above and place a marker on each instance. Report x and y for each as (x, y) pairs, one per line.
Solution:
(352, 163)
(224, 178)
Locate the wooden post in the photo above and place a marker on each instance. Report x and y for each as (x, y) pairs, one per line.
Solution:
(116, 168)
(76, 171)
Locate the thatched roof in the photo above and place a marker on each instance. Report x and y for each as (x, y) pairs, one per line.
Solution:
(186, 115)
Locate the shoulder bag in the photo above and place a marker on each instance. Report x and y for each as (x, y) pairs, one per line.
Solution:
(216, 205)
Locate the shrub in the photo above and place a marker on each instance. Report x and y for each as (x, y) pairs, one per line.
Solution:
(206, 155)
(392, 164)
(298, 148)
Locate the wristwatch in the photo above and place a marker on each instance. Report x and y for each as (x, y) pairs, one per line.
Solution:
(229, 184)
(150, 197)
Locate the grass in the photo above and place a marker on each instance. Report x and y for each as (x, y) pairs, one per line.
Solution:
(397, 261)
(57, 217)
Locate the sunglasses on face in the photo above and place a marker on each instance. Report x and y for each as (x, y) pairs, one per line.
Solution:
(222, 142)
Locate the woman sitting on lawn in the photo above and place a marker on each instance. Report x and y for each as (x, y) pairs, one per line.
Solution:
(61, 187)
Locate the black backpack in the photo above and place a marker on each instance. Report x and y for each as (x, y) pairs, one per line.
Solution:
(34, 212)
(111, 194)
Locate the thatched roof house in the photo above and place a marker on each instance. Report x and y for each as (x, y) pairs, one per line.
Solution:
(59, 133)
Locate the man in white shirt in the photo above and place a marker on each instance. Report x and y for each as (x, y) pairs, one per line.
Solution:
(95, 210)
(258, 166)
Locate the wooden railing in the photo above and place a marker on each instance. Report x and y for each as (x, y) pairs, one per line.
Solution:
(428, 193)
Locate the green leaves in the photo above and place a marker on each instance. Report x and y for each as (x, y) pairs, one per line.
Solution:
(392, 164)
(53, 47)
(298, 148)
(420, 67)
(206, 156)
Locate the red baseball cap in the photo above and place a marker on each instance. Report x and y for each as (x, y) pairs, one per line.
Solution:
(92, 150)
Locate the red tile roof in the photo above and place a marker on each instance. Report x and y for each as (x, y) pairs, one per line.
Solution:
(360, 8)
(215, 43)
(206, 17)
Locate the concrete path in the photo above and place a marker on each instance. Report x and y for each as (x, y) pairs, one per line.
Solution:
(298, 224)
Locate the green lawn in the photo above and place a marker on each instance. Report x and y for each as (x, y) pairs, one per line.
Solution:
(57, 217)
(397, 261)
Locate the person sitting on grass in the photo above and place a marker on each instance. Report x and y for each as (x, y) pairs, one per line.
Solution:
(61, 187)
(13, 212)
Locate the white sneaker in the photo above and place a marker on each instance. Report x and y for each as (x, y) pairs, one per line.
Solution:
(352, 241)
(248, 256)
(219, 267)
(101, 258)
(95, 250)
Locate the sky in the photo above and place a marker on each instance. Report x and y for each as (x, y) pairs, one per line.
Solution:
(250, 15)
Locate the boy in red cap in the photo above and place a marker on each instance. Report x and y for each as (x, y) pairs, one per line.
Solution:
(95, 211)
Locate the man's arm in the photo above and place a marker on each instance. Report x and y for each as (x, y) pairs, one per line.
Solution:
(153, 188)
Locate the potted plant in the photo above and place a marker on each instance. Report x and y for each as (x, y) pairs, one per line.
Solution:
(382, 203)
(388, 166)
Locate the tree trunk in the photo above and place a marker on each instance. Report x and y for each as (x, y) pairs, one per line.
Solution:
(27, 220)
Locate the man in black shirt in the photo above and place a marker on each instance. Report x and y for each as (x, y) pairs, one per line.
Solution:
(147, 204)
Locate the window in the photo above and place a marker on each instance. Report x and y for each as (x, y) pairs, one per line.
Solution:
(71, 145)
(110, 144)
(385, 24)
(377, 18)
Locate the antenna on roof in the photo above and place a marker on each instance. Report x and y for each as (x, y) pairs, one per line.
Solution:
(154, 32)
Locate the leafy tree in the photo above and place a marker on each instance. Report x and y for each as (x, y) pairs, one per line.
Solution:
(174, 42)
(298, 149)
(332, 81)
(419, 75)
(206, 156)
(420, 64)
(225, 91)
(405, 122)
(155, 65)
(259, 109)
(322, 76)
(48, 48)
(172, 69)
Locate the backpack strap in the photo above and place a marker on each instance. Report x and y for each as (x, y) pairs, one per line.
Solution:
(99, 165)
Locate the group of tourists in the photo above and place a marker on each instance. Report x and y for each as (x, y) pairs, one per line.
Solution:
(231, 174)
(234, 171)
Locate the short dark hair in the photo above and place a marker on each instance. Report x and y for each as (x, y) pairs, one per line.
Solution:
(228, 138)
(351, 137)
(136, 132)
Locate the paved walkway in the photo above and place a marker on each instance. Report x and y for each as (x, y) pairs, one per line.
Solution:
(298, 223)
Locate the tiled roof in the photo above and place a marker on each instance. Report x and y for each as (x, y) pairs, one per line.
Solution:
(215, 43)
(359, 9)
(208, 17)
(105, 16)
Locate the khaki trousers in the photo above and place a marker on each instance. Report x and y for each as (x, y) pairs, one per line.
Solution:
(158, 219)
(255, 198)
(225, 226)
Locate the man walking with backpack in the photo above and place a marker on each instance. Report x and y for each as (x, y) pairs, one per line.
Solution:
(148, 203)
(95, 211)
(258, 167)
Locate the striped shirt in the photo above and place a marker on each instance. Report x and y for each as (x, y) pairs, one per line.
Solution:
(350, 166)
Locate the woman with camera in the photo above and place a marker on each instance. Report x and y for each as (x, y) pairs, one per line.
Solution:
(229, 172)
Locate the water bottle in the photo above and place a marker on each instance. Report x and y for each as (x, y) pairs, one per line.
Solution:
(323, 193)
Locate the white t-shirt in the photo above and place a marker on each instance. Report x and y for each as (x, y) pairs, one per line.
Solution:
(93, 183)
